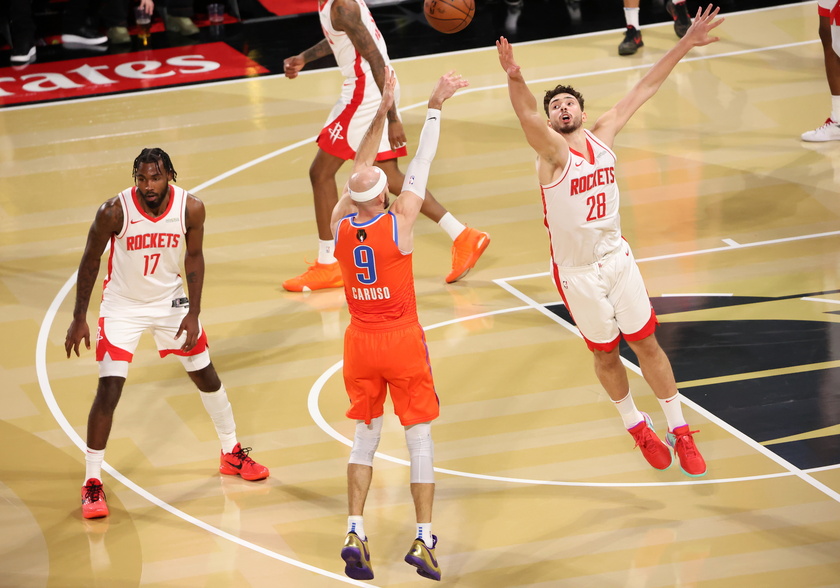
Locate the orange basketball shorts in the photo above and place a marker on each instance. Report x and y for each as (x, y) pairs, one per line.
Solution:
(378, 360)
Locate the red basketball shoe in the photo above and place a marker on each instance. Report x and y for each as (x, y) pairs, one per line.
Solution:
(237, 463)
(93, 500)
(691, 462)
(466, 249)
(655, 451)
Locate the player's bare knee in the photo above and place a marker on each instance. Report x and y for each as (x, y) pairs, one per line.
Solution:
(421, 450)
(366, 441)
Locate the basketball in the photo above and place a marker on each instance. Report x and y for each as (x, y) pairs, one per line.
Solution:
(449, 16)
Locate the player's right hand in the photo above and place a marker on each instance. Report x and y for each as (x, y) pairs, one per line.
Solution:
(446, 87)
(77, 332)
(293, 65)
(506, 58)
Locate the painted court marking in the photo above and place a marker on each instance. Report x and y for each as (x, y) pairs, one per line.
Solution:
(55, 409)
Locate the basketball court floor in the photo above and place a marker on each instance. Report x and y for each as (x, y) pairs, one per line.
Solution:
(734, 221)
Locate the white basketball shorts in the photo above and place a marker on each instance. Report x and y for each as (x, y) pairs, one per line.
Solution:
(607, 299)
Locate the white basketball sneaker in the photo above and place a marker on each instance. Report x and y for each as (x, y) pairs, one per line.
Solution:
(830, 131)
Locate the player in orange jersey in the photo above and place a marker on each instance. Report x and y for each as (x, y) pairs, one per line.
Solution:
(384, 346)
(149, 226)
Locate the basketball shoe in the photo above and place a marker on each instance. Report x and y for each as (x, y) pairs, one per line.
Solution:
(356, 558)
(829, 131)
(423, 558)
(679, 12)
(466, 249)
(237, 463)
(691, 462)
(632, 41)
(655, 451)
(317, 277)
(93, 500)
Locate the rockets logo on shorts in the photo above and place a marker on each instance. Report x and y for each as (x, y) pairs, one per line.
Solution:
(335, 132)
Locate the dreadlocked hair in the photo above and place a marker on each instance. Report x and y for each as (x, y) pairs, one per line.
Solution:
(561, 89)
(157, 156)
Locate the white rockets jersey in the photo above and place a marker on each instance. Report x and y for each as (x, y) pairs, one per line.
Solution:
(581, 208)
(350, 61)
(144, 267)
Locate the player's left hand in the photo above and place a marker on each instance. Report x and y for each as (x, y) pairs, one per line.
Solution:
(189, 326)
(704, 22)
(292, 66)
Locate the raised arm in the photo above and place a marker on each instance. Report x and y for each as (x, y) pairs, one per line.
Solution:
(347, 17)
(408, 203)
(368, 148)
(611, 122)
(549, 145)
(194, 269)
(108, 221)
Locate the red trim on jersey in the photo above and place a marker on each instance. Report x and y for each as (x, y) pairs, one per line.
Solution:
(590, 152)
(104, 346)
(146, 215)
(200, 346)
(110, 265)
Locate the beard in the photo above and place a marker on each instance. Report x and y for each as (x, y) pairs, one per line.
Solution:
(569, 128)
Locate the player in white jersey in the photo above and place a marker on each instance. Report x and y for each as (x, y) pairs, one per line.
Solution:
(592, 266)
(149, 227)
(352, 36)
(829, 14)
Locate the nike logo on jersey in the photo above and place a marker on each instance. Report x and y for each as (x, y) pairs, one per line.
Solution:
(578, 164)
(134, 222)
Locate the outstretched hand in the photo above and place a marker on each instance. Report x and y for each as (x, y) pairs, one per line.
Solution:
(704, 22)
(445, 88)
(506, 58)
(388, 89)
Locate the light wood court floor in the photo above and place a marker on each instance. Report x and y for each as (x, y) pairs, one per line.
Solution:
(539, 483)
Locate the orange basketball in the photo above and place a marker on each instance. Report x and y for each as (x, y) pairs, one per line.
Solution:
(449, 16)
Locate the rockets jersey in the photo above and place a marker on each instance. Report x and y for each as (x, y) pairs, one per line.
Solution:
(378, 277)
(351, 63)
(144, 263)
(581, 208)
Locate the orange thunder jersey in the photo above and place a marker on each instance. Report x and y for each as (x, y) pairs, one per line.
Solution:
(378, 277)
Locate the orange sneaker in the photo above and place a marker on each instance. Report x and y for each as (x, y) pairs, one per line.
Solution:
(237, 463)
(691, 462)
(466, 250)
(318, 277)
(93, 500)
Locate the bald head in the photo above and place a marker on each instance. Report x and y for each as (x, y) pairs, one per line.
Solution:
(366, 184)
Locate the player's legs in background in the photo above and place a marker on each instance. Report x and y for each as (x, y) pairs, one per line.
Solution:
(324, 273)
(633, 35)
(830, 130)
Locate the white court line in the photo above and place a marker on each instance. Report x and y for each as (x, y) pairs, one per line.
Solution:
(811, 299)
(40, 352)
(791, 470)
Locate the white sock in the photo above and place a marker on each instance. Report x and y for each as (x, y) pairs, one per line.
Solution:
(628, 411)
(631, 15)
(325, 251)
(93, 463)
(355, 524)
(672, 407)
(218, 407)
(835, 109)
(451, 225)
(424, 532)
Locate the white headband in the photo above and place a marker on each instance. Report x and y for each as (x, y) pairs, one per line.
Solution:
(373, 192)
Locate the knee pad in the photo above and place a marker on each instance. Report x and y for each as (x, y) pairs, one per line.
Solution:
(421, 449)
(110, 368)
(193, 363)
(366, 441)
